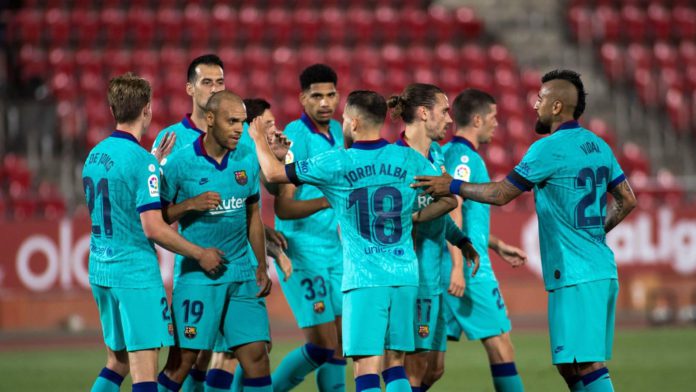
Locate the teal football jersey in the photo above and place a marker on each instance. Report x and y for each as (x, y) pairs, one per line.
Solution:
(121, 181)
(464, 163)
(368, 188)
(321, 228)
(185, 131)
(571, 171)
(430, 236)
(190, 172)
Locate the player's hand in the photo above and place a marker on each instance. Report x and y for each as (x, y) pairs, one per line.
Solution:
(205, 201)
(280, 145)
(285, 265)
(165, 147)
(211, 261)
(263, 281)
(258, 129)
(434, 185)
(457, 282)
(512, 255)
(275, 237)
(471, 256)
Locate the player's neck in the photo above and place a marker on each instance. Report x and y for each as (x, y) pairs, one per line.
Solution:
(135, 129)
(213, 149)
(199, 121)
(323, 128)
(366, 135)
(560, 121)
(418, 140)
(468, 134)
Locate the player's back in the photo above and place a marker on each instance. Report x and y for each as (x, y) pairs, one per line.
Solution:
(368, 188)
(121, 180)
(571, 171)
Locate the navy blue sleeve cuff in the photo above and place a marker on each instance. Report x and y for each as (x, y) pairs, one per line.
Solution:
(151, 206)
(291, 172)
(165, 203)
(463, 242)
(520, 182)
(253, 199)
(455, 185)
(618, 180)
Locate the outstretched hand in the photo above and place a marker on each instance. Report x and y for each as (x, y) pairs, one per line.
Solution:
(434, 185)
(165, 147)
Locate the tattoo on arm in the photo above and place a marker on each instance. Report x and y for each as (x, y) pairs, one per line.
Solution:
(624, 202)
(497, 193)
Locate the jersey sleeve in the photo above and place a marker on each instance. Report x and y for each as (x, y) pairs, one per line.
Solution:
(255, 194)
(146, 178)
(322, 169)
(538, 164)
(616, 174)
(169, 182)
(457, 167)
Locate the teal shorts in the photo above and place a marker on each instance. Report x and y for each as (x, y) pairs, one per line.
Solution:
(581, 321)
(378, 318)
(314, 296)
(430, 325)
(479, 314)
(230, 310)
(134, 319)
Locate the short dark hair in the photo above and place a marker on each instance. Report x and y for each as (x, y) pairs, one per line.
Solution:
(371, 105)
(255, 107)
(317, 73)
(469, 103)
(128, 95)
(574, 78)
(207, 59)
(413, 96)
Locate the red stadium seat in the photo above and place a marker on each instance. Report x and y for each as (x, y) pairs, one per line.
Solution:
(516, 129)
(142, 29)
(226, 22)
(389, 24)
(414, 23)
(362, 23)
(479, 79)
(665, 54)
(646, 85)
(633, 159)
(335, 21)
(194, 17)
(472, 56)
(612, 58)
(608, 24)
(394, 57)
(63, 86)
(86, 26)
(30, 23)
(633, 23)
(684, 21)
(499, 55)
(57, 23)
(601, 129)
(116, 61)
(678, 110)
(24, 207)
(687, 53)
(441, 21)
(251, 24)
(659, 21)
(531, 80)
(280, 26)
(639, 56)
(33, 61)
(580, 20)
(467, 25)
(506, 80)
(113, 21)
(170, 25)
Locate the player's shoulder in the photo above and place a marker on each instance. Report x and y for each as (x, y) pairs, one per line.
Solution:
(245, 152)
(294, 128)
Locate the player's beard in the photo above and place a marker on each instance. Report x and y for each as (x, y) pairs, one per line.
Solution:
(542, 129)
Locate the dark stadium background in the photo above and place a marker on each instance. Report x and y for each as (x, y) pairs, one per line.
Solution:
(637, 58)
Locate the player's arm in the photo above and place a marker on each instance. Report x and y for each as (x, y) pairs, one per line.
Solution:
(257, 238)
(454, 251)
(464, 248)
(286, 207)
(203, 202)
(161, 149)
(624, 202)
(280, 258)
(441, 206)
(511, 254)
(157, 230)
(496, 193)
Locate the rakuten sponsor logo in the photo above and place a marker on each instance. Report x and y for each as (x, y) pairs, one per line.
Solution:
(646, 239)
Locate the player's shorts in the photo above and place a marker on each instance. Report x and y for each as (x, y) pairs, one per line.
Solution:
(430, 325)
(134, 318)
(480, 313)
(581, 321)
(378, 318)
(232, 310)
(314, 296)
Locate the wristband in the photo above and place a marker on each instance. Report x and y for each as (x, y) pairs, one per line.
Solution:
(463, 242)
(454, 186)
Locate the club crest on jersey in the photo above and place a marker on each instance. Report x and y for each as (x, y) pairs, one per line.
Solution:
(319, 307)
(241, 177)
(153, 186)
(423, 331)
(190, 332)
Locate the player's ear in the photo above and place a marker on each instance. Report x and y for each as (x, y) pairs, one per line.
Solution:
(557, 107)
(209, 118)
(422, 113)
(189, 89)
(303, 97)
(477, 120)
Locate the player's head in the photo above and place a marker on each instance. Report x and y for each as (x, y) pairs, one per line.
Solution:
(365, 110)
(319, 96)
(225, 114)
(476, 110)
(205, 77)
(256, 107)
(425, 105)
(129, 100)
(562, 95)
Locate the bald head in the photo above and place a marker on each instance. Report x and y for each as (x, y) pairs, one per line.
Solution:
(565, 86)
(219, 97)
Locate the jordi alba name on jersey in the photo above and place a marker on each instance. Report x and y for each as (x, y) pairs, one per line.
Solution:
(320, 228)
(121, 181)
(190, 172)
(571, 171)
(464, 163)
(368, 188)
(185, 131)
(430, 236)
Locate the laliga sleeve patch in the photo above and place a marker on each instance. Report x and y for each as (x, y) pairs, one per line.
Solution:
(153, 185)
(289, 157)
(462, 172)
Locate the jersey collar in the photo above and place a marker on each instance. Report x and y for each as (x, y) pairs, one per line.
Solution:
(199, 148)
(188, 123)
(313, 127)
(402, 142)
(573, 124)
(369, 144)
(124, 135)
(463, 140)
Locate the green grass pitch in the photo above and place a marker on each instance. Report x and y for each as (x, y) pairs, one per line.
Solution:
(644, 360)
